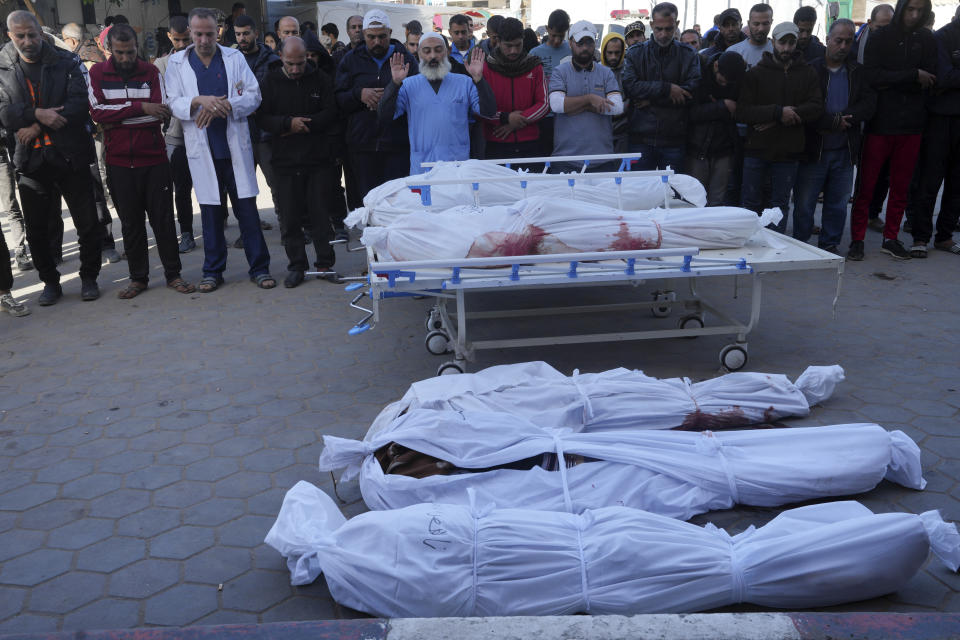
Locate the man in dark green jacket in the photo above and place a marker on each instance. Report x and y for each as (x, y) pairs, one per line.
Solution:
(779, 95)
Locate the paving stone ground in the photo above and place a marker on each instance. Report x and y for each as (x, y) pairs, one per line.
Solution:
(146, 445)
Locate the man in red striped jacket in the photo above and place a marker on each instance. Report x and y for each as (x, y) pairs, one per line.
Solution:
(518, 84)
(126, 97)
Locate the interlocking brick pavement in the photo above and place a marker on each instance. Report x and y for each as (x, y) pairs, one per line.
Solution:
(145, 445)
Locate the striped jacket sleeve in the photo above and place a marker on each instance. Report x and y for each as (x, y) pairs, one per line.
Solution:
(114, 108)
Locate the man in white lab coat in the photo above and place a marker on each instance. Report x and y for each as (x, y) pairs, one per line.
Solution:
(212, 90)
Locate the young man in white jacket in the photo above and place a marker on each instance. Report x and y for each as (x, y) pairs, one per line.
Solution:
(212, 90)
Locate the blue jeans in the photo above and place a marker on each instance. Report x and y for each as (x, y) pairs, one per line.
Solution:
(245, 210)
(782, 177)
(652, 158)
(833, 175)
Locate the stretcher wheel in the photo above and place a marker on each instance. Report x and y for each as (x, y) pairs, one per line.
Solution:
(663, 310)
(733, 357)
(433, 321)
(449, 369)
(437, 343)
(691, 322)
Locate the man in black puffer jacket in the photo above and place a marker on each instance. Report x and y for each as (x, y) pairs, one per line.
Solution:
(712, 136)
(940, 152)
(298, 109)
(375, 154)
(901, 60)
(43, 106)
(659, 78)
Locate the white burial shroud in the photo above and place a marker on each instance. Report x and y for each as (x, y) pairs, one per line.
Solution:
(672, 473)
(433, 560)
(619, 398)
(544, 226)
(394, 199)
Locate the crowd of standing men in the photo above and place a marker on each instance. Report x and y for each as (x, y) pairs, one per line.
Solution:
(763, 115)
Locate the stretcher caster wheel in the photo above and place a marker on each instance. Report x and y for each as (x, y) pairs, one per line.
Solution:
(691, 322)
(449, 369)
(437, 343)
(733, 357)
(433, 321)
(662, 311)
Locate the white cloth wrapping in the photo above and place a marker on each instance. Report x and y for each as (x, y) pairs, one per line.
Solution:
(619, 398)
(678, 474)
(433, 560)
(543, 226)
(394, 199)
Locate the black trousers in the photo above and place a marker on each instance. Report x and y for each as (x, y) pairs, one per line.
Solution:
(503, 150)
(372, 168)
(939, 163)
(338, 199)
(306, 191)
(40, 198)
(182, 186)
(141, 194)
(6, 273)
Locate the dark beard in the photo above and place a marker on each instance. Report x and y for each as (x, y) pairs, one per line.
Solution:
(249, 49)
(378, 52)
(783, 58)
(584, 59)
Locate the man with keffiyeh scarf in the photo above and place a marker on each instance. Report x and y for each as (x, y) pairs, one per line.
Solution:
(520, 89)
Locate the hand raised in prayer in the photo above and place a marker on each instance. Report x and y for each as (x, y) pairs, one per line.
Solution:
(475, 64)
(399, 68)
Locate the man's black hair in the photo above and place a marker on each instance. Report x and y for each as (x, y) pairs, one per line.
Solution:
(414, 27)
(710, 39)
(121, 33)
(805, 14)
(559, 20)
(331, 29)
(120, 19)
(459, 19)
(179, 24)
(665, 9)
(842, 22)
(493, 24)
(238, 5)
(511, 29)
(761, 8)
(693, 31)
(245, 21)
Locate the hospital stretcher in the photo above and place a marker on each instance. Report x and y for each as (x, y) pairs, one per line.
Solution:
(455, 283)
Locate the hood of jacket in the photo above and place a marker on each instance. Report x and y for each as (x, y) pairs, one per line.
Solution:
(313, 45)
(902, 5)
(607, 39)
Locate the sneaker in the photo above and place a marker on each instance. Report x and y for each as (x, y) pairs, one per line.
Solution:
(895, 249)
(111, 254)
(947, 245)
(342, 235)
(11, 306)
(89, 290)
(24, 263)
(856, 250)
(265, 226)
(238, 243)
(876, 224)
(187, 243)
(918, 250)
(50, 295)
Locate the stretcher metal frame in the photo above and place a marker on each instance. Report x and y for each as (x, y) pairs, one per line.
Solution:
(454, 282)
